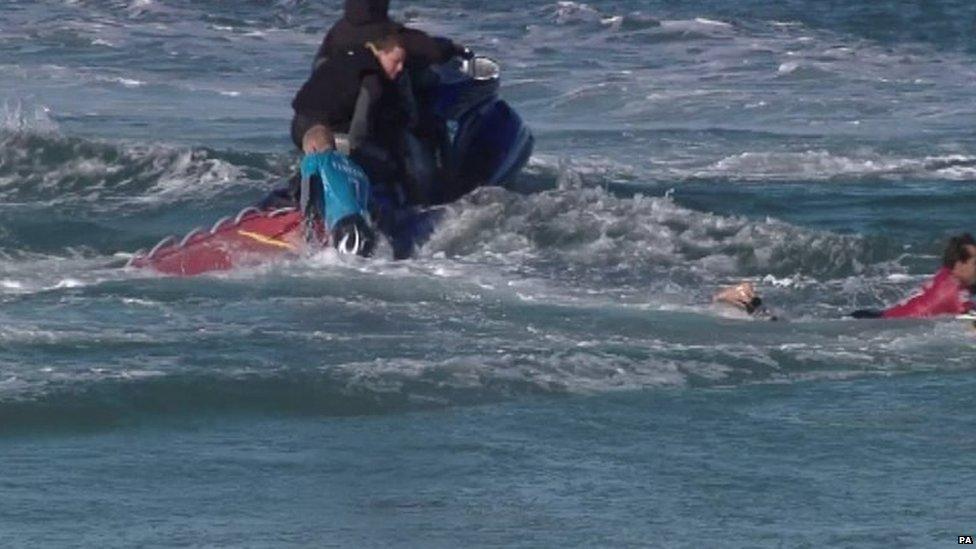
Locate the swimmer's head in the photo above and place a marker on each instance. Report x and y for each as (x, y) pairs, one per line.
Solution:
(960, 257)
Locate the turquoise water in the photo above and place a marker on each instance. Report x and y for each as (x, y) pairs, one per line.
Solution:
(548, 371)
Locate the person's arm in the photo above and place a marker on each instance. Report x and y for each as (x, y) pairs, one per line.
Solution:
(333, 44)
(915, 306)
(324, 49)
(310, 127)
(361, 126)
(311, 100)
(939, 298)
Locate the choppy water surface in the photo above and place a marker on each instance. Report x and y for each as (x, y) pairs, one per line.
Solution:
(548, 370)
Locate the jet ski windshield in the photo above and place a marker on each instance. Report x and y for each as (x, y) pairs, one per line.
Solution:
(465, 84)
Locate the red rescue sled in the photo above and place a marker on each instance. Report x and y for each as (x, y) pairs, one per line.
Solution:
(253, 236)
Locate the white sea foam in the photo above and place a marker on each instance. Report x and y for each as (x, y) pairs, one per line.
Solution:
(575, 12)
(14, 285)
(788, 67)
(821, 165)
(128, 82)
(140, 302)
(68, 283)
(16, 116)
(195, 170)
(705, 21)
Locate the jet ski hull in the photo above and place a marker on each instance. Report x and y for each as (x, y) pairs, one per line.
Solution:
(252, 237)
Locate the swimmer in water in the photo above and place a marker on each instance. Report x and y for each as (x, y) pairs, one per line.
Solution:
(949, 292)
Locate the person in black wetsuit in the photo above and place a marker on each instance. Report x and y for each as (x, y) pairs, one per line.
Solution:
(354, 94)
(351, 93)
(424, 138)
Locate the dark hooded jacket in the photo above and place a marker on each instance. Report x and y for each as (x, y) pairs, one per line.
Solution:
(344, 86)
(366, 20)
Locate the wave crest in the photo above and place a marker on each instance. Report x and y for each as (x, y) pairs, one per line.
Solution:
(593, 233)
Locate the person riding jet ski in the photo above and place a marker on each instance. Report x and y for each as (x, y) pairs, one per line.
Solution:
(423, 145)
(352, 93)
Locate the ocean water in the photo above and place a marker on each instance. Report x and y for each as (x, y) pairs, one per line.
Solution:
(549, 370)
